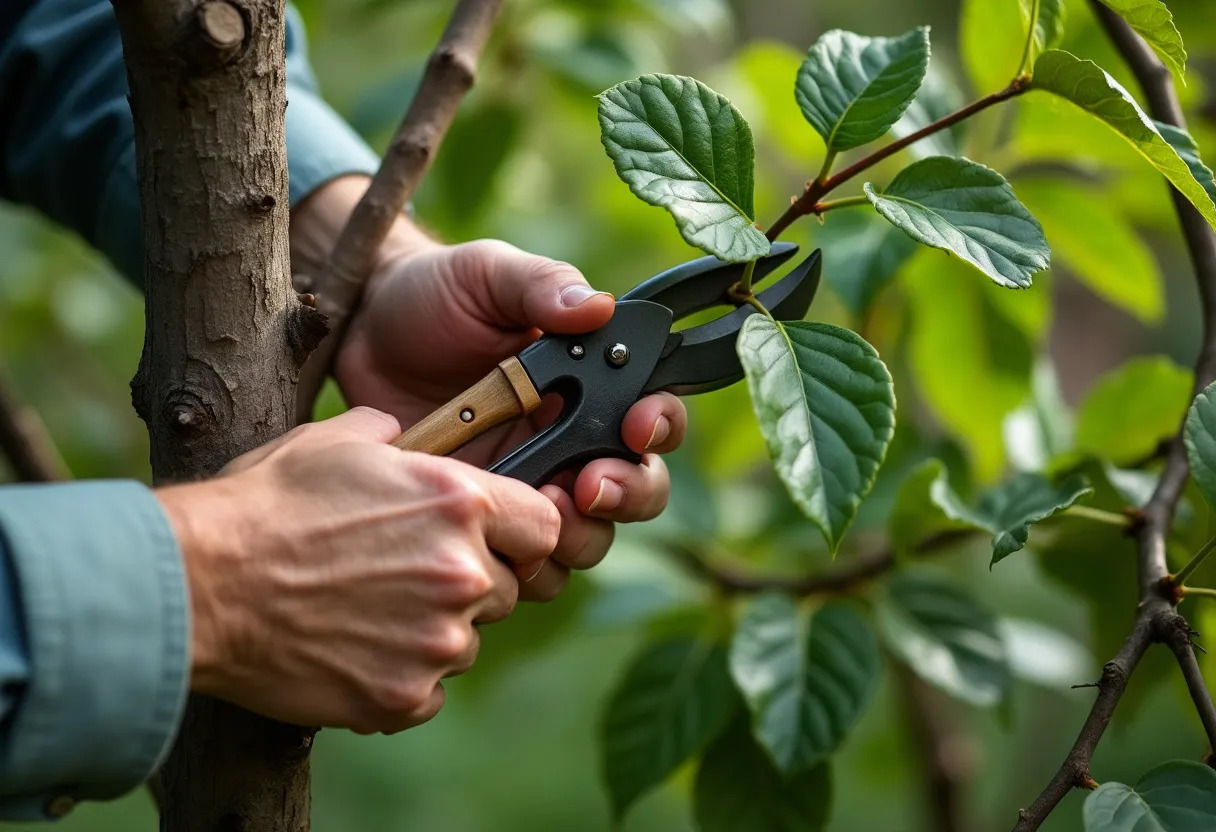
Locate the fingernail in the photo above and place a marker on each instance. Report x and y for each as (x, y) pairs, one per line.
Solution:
(539, 569)
(577, 294)
(662, 429)
(610, 495)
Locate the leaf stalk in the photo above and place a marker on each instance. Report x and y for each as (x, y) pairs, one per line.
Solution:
(1110, 518)
(1024, 66)
(1197, 591)
(1193, 564)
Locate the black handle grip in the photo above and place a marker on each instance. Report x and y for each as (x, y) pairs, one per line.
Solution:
(598, 382)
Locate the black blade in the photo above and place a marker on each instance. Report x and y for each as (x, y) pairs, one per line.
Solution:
(702, 283)
(703, 358)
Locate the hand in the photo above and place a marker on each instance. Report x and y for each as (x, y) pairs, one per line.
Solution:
(437, 318)
(335, 580)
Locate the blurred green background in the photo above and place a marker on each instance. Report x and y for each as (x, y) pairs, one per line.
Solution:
(515, 748)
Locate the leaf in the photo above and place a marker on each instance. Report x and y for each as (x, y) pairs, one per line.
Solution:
(938, 97)
(1041, 430)
(861, 254)
(681, 146)
(826, 406)
(853, 88)
(1086, 85)
(971, 362)
(1098, 245)
(675, 697)
(991, 40)
(805, 686)
(925, 506)
(1128, 411)
(1200, 437)
(1013, 507)
(739, 790)
(1178, 796)
(945, 637)
(1152, 21)
(1184, 144)
(771, 117)
(968, 210)
(1048, 25)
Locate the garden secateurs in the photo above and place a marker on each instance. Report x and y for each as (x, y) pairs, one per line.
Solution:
(600, 374)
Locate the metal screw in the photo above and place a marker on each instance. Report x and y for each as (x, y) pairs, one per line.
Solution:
(617, 354)
(466, 415)
(576, 351)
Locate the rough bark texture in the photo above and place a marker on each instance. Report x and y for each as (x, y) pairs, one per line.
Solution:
(225, 332)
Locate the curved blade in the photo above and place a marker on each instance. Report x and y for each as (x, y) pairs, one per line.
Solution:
(702, 283)
(703, 357)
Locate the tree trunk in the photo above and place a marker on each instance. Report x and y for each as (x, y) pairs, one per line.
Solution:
(225, 333)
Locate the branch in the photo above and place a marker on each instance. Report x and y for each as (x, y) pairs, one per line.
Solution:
(836, 581)
(822, 185)
(25, 442)
(1157, 619)
(449, 74)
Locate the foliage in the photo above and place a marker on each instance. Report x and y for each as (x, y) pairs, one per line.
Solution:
(642, 645)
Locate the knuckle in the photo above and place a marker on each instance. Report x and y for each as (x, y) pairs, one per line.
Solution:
(460, 501)
(465, 578)
(448, 643)
(394, 698)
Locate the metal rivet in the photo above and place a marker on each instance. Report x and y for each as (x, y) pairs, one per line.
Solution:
(576, 351)
(617, 354)
(60, 805)
(466, 415)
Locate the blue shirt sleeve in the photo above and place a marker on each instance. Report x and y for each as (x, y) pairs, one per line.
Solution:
(67, 143)
(94, 643)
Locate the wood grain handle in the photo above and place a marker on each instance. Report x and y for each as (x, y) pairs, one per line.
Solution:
(505, 394)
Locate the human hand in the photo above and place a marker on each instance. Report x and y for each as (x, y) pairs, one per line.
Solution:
(335, 580)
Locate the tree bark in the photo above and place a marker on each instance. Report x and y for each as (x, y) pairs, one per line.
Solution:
(225, 333)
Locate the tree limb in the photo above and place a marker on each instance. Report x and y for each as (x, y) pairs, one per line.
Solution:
(838, 580)
(449, 74)
(25, 442)
(1157, 619)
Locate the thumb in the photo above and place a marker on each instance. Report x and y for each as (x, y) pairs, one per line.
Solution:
(527, 290)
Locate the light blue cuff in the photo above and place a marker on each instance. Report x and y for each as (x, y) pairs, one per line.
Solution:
(107, 616)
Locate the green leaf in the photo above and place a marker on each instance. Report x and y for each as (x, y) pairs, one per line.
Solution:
(1200, 439)
(681, 146)
(1040, 431)
(826, 406)
(945, 637)
(1048, 25)
(991, 40)
(1128, 411)
(1098, 245)
(1044, 655)
(1184, 144)
(928, 505)
(853, 88)
(861, 254)
(925, 506)
(739, 790)
(1178, 796)
(675, 697)
(1086, 85)
(970, 359)
(1153, 21)
(1010, 509)
(805, 686)
(968, 210)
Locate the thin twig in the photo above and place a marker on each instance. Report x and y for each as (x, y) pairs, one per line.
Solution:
(26, 443)
(1193, 564)
(1157, 619)
(841, 579)
(449, 74)
(821, 187)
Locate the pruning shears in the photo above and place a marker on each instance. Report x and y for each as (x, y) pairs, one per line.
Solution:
(600, 374)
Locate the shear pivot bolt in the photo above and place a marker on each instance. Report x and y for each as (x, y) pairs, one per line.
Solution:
(617, 354)
(576, 351)
(466, 415)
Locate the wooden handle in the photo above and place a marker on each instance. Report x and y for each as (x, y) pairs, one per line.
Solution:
(505, 394)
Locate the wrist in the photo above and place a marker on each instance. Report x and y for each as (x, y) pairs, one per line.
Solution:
(318, 219)
(200, 514)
